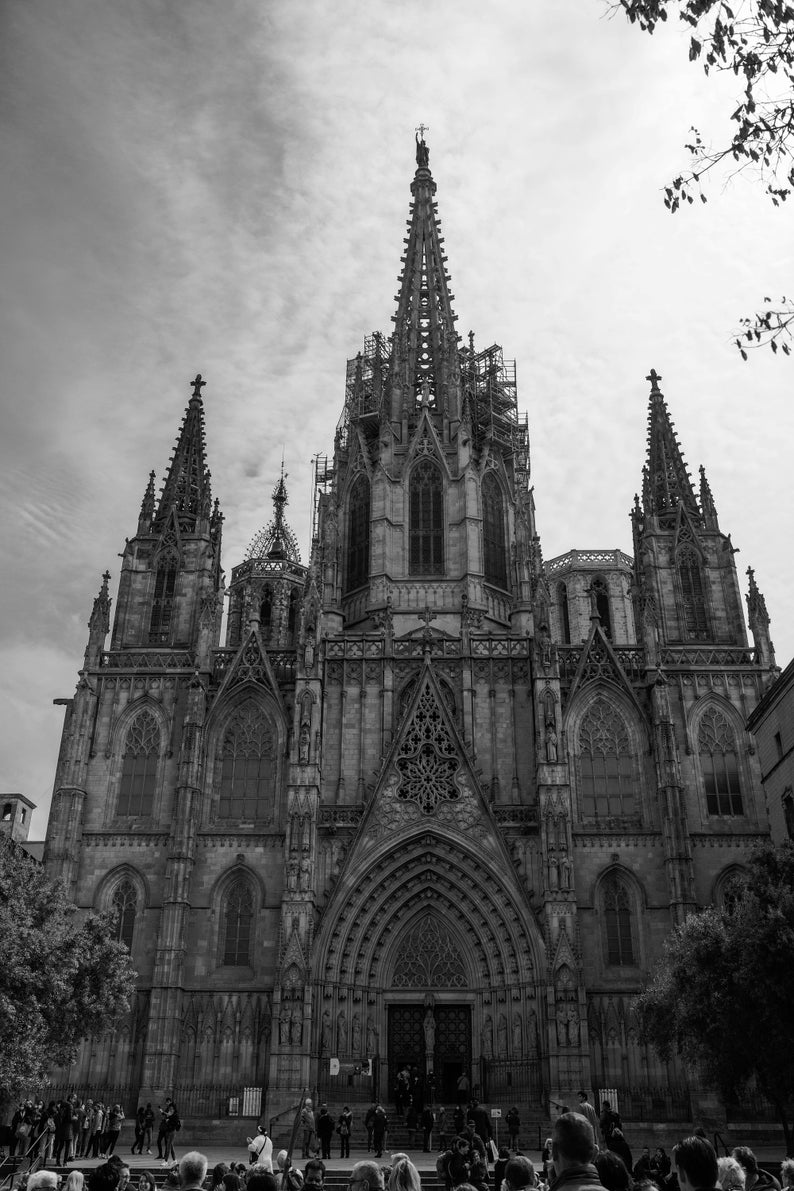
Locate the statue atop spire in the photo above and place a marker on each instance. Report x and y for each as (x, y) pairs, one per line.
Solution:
(422, 151)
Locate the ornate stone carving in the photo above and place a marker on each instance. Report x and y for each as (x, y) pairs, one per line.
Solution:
(429, 959)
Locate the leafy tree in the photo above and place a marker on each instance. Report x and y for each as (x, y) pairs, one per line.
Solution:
(723, 994)
(754, 41)
(62, 976)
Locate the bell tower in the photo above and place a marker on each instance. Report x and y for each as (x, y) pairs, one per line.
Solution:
(430, 475)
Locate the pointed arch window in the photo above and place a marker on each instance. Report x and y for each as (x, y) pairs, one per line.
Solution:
(357, 570)
(139, 766)
(493, 532)
(266, 610)
(247, 770)
(617, 906)
(565, 622)
(238, 922)
(606, 763)
(693, 599)
(603, 608)
(426, 520)
(719, 764)
(123, 908)
(163, 602)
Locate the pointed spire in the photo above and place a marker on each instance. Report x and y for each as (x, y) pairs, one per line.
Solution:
(707, 506)
(146, 515)
(666, 481)
(425, 341)
(758, 619)
(277, 541)
(187, 484)
(98, 625)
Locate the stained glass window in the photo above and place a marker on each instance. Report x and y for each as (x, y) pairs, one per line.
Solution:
(426, 520)
(358, 535)
(238, 921)
(690, 577)
(617, 916)
(139, 766)
(123, 907)
(493, 532)
(246, 788)
(606, 763)
(719, 764)
(163, 602)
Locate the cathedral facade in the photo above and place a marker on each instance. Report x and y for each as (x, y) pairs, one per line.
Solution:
(431, 800)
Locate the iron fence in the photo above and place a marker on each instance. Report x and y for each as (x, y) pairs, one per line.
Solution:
(636, 1102)
(217, 1100)
(505, 1079)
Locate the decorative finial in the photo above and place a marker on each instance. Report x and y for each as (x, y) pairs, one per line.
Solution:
(198, 384)
(422, 151)
(654, 378)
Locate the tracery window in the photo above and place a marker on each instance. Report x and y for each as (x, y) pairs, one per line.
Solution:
(690, 577)
(238, 921)
(565, 623)
(246, 785)
(719, 764)
(123, 908)
(426, 520)
(139, 766)
(163, 602)
(617, 918)
(601, 593)
(266, 610)
(428, 761)
(429, 959)
(606, 763)
(493, 532)
(357, 570)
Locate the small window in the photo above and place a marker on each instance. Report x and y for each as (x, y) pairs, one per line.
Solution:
(139, 766)
(617, 918)
(8, 812)
(266, 610)
(788, 811)
(23, 814)
(292, 614)
(778, 745)
(719, 764)
(601, 595)
(124, 905)
(565, 623)
(426, 520)
(238, 926)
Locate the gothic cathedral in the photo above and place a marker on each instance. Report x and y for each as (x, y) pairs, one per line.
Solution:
(434, 800)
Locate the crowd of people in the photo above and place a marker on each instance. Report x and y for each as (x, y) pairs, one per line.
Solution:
(65, 1130)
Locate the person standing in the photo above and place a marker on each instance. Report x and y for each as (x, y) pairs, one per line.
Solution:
(572, 1152)
(513, 1122)
(369, 1122)
(380, 1127)
(139, 1126)
(307, 1125)
(442, 1127)
(344, 1128)
(114, 1127)
(325, 1130)
(463, 1087)
(427, 1121)
(588, 1112)
(164, 1110)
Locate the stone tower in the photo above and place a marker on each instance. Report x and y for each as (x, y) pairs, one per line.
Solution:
(434, 802)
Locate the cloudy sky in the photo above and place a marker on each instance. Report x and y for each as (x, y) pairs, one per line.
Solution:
(190, 185)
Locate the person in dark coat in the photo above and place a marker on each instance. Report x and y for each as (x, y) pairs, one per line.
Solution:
(380, 1125)
(325, 1130)
(482, 1123)
(572, 1152)
(344, 1128)
(428, 1121)
(618, 1144)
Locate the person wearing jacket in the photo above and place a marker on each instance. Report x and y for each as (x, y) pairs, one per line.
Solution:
(572, 1151)
(695, 1162)
(755, 1177)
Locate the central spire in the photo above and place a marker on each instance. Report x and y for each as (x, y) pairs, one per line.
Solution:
(666, 482)
(425, 355)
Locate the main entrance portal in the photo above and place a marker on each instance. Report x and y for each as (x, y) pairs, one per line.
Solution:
(451, 1047)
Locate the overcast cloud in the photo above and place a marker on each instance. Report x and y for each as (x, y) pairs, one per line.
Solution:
(192, 186)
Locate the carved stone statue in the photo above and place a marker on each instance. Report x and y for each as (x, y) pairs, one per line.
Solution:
(341, 1033)
(306, 868)
(296, 1026)
(422, 153)
(573, 1023)
(372, 1037)
(292, 874)
(551, 744)
(303, 743)
(501, 1036)
(518, 1041)
(283, 1028)
(429, 1026)
(325, 1033)
(561, 1015)
(487, 1038)
(355, 1034)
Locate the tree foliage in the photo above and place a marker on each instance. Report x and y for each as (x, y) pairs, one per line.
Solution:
(723, 995)
(62, 976)
(754, 41)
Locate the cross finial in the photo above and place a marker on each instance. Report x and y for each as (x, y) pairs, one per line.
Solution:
(654, 378)
(422, 129)
(198, 384)
(426, 616)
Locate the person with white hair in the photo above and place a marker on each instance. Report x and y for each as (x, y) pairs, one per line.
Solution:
(192, 1171)
(43, 1180)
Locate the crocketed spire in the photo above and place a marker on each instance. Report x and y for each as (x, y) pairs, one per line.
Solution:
(666, 481)
(187, 485)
